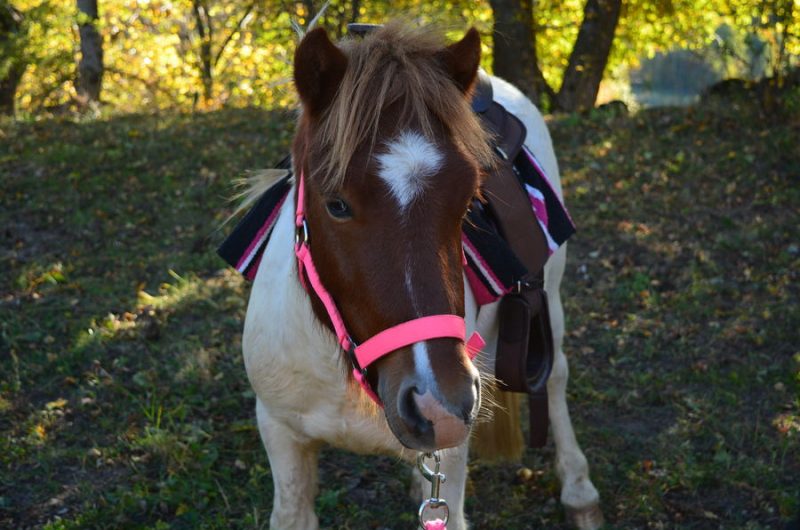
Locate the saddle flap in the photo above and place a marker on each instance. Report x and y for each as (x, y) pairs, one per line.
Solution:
(511, 208)
(509, 132)
(525, 343)
(525, 353)
(512, 343)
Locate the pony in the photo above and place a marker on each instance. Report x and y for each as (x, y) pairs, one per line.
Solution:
(386, 160)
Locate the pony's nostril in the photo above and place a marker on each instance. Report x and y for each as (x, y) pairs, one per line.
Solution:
(468, 407)
(409, 411)
(431, 421)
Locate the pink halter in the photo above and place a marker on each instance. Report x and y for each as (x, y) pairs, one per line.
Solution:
(388, 340)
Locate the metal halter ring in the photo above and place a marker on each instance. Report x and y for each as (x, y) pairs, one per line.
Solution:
(301, 233)
(434, 504)
(351, 354)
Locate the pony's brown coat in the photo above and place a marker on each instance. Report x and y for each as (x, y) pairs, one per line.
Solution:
(357, 98)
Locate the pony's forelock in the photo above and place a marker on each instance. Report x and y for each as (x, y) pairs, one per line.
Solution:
(396, 63)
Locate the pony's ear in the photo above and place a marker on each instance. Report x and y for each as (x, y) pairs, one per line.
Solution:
(461, 59)
(319, 67)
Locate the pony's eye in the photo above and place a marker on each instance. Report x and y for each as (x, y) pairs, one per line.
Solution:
(338, 209)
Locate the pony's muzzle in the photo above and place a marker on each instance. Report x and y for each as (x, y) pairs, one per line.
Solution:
(432, 421)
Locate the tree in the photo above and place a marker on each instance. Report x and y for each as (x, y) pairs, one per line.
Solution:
(90, 67)
(335, 15)
(589, 56)
(12, 62)
(516, 59)
(205, 30)
(205, 24)
(160, 54)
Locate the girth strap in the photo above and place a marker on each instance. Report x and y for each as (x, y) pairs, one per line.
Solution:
(525, 344)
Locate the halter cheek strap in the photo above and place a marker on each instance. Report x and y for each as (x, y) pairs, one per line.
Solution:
(388, 340)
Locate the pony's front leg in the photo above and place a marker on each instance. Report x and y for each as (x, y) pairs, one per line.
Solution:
(454, 466)
(578, 495)
(293, 462)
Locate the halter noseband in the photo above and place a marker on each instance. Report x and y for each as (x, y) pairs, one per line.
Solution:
(388, 340)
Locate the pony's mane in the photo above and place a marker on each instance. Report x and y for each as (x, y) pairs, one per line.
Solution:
(251, 187)
(394, 63)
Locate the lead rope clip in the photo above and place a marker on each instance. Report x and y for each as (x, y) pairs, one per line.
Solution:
(432, 506)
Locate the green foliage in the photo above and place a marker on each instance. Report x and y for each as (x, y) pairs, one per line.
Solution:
(12, 37)
(737, 38)
(46, 44)
(153, 55)
(154, 59)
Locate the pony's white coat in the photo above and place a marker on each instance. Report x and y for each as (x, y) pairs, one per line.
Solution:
(405, 167)
(295, 366)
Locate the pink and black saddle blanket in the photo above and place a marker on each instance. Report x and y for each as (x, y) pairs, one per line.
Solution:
(493, 269)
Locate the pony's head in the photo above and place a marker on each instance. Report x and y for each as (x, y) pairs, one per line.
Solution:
(392, 156)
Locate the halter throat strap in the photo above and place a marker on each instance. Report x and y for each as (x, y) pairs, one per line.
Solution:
(388, 340)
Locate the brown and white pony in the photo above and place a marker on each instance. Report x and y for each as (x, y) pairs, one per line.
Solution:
(392, 155)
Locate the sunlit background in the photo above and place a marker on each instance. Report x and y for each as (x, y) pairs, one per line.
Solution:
(204, 54)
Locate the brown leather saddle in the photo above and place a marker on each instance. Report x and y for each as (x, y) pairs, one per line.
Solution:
(525, 344)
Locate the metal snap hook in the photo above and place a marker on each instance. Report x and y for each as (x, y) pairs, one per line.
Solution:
(427, 472)
(429, 507)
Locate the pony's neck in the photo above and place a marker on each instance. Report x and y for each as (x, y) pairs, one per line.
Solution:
(293, 360)
(277, 286)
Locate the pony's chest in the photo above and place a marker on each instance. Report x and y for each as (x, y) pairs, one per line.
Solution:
(315, 401)
(294, 365)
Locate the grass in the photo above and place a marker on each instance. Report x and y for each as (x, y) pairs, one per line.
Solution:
(123, 400)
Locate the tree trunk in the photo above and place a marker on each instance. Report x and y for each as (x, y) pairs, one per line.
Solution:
(205, 32)
(514, 58)
(8, 87)
(310, 10)
(589, 56)
(13, 63)
(90, 67)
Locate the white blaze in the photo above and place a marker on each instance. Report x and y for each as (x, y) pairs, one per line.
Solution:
(422, 361)
(405, 167)
(422, 365)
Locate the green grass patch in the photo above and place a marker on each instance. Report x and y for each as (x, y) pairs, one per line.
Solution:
(123, 398)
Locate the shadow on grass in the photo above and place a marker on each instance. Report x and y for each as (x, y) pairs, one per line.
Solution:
(123, 399)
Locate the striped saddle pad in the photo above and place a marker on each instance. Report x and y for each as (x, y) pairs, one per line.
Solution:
(492, 268)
